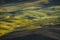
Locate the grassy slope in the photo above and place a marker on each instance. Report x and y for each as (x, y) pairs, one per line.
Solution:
(9, 23)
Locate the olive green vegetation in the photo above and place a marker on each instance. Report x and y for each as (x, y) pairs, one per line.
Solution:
(28, 19)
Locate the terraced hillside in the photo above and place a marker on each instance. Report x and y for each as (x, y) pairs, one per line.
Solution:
(19, 19)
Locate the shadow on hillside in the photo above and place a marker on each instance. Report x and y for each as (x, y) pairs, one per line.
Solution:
(31, 37)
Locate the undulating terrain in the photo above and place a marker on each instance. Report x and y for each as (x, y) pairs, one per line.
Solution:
(30, 20)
